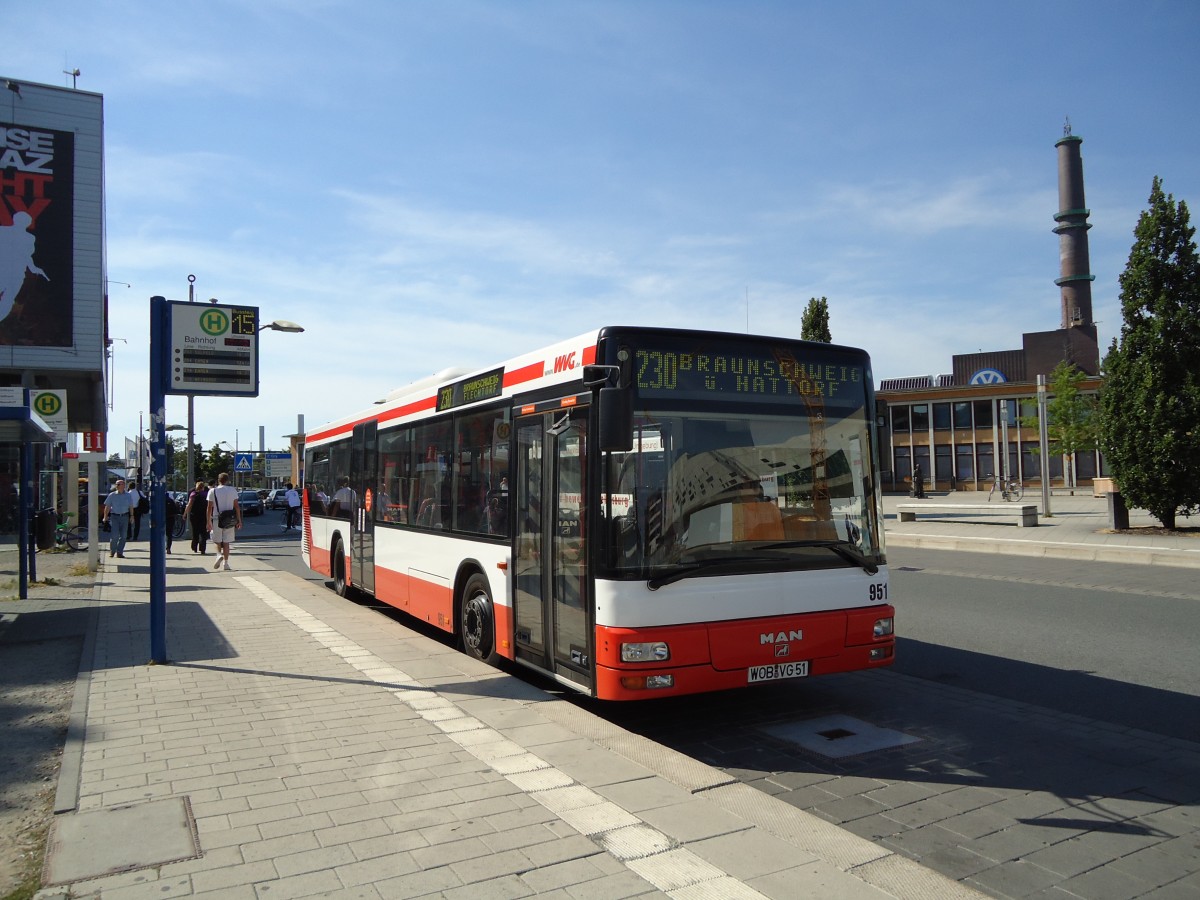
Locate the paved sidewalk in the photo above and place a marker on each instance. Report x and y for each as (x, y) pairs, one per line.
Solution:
(1078, 528)
(301, 745)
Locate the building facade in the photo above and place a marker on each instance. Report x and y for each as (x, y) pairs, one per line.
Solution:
(964, 428)
(53, 337)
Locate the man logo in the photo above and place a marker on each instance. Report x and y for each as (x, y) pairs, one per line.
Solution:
(779, 637)
(988, 376)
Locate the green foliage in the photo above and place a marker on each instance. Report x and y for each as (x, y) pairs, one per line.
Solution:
(212, 464)
(1150, 401)
(814, 324)
(1071, 416)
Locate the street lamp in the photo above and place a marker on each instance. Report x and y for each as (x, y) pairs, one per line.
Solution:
(282, 325)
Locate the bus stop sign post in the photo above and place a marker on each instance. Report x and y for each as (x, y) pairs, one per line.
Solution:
(159, 347)
(194, 349)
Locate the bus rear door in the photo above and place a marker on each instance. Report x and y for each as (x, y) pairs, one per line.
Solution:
(364, 451)
(551, 595)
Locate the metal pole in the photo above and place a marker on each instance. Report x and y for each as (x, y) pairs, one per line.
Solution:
(1044, 443)
(159, 342)
(191, 410)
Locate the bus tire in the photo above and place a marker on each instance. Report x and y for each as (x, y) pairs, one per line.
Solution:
(477, 621)
(337, 563)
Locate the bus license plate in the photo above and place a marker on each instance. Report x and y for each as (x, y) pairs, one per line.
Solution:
(778, 671)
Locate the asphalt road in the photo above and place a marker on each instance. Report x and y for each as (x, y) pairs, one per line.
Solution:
(1117, 643)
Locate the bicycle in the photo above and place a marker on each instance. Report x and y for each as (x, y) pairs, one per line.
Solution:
(1009, 488)
(75, 538)
(283, 520)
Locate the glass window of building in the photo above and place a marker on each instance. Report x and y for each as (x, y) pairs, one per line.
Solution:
(1085, 464)
(987, 461)
(941, 417)
(921, 458)
(1008, 412)
(920, 417)
(983, 413)
(943, 461)
(900, 419)
(1031, 461)
(962, 415)
(964, 463)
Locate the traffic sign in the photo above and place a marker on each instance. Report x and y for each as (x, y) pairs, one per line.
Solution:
(243, 462)
(51, 405)
(213, 349)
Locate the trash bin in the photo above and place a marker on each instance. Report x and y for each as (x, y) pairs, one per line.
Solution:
(44, 523)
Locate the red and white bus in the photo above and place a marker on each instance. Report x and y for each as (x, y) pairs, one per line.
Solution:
(635, 512)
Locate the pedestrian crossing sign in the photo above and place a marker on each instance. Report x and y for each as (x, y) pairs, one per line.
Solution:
(243, 462)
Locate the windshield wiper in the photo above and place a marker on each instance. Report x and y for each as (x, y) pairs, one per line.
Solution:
(706, 566)
(844, 549)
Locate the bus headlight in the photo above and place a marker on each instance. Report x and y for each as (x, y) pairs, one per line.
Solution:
(651, 651)
(883, 627)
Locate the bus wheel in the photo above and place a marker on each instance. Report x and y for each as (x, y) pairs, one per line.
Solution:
(478, 625)
(337, 561)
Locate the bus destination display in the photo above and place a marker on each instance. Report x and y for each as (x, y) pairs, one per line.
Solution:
(746, 372)
(471, 390)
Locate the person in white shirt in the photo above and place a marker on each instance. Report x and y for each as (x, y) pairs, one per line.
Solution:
(293, 502)
(136, 493)
(223, 499)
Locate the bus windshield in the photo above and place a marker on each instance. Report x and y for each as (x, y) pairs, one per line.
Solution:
(704, 488)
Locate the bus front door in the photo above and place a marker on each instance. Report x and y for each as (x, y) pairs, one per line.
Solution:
(364, 444)
(551, 599)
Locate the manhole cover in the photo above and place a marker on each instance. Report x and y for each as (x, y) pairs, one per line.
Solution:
(837, 737)
(120, 839)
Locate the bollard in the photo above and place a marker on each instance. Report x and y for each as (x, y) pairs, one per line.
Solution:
(1118, 514)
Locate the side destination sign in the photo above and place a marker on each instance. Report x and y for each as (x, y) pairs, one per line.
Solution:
(471, 390)
(214, 349)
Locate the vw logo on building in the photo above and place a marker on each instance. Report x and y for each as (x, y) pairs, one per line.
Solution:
(988, 376)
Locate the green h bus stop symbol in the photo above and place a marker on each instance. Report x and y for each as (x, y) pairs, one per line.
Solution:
(47, 405)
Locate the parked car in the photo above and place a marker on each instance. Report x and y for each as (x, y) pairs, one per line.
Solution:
(277, 499)
(251, 503)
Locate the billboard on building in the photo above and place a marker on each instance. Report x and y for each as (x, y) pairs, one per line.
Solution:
(52, 271)
(37, 220)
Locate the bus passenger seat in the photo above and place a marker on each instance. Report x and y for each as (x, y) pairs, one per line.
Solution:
(760, 520)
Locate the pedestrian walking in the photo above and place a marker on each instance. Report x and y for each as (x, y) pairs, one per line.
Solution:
(293, 502)
(172, 518)
(224, 518)
(196, 514)
(117, 506)
(918, 480)
(141, 506)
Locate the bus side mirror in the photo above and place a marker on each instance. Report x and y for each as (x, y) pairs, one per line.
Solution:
(616, 419)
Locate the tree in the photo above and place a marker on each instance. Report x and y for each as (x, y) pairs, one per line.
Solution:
(214, 463)
(814, 324)
(1072, 419)
(1150, 401)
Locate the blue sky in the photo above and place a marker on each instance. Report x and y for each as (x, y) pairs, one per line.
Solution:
(427, 184)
